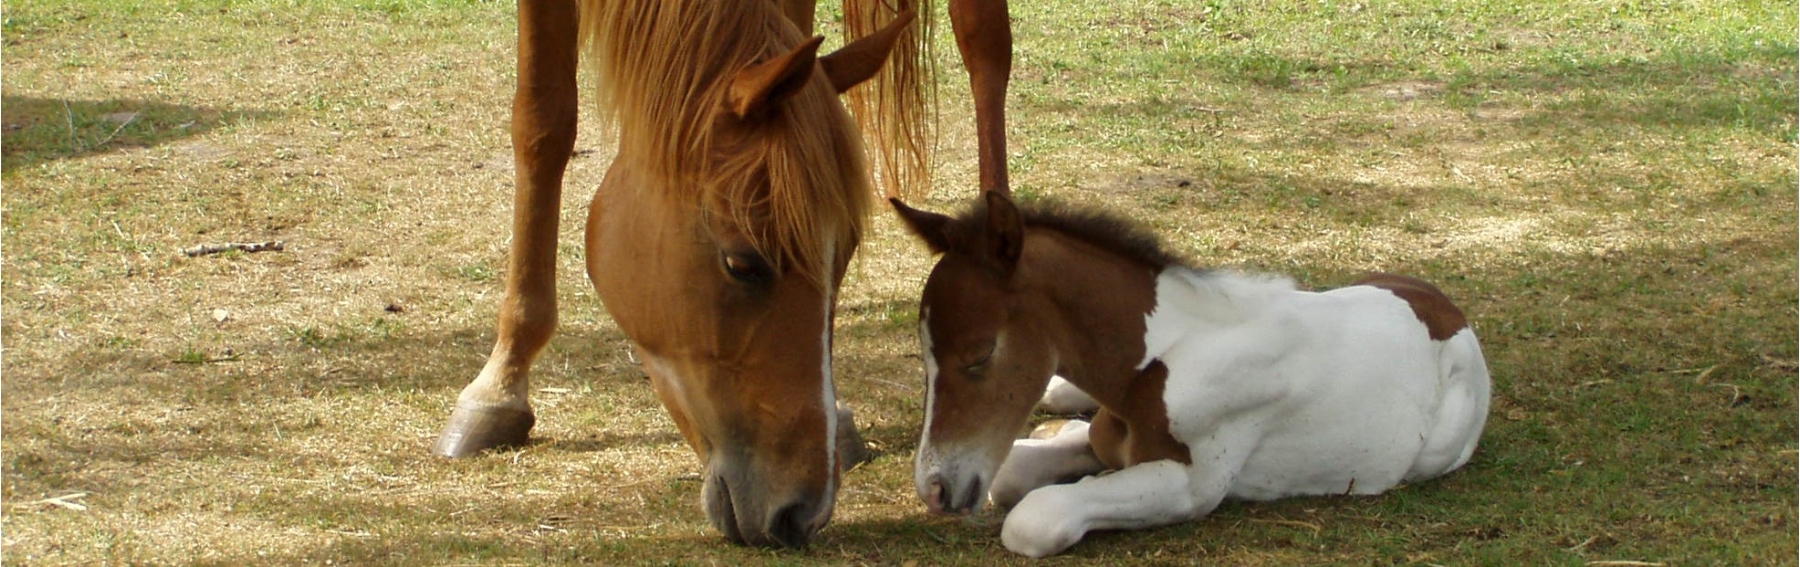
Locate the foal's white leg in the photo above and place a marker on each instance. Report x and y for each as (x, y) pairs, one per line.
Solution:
(1064, 398)
(1158, 493)
(1052, 518)
(1035, 463)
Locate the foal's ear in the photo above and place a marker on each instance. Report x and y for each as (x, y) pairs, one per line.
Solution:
(1005, 229)
(760, 87)
(855, 62)
(930, 227)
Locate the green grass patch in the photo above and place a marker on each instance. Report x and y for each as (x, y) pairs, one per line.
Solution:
(1609, 189)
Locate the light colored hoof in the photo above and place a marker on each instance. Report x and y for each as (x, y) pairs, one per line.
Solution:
(851, 449)
(1062, 398)
(473, 429)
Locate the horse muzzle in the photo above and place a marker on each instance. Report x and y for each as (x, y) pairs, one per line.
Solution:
(756, 511)
(948, 486)
(954, 496)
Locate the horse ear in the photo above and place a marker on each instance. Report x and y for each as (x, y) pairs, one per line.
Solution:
(930, 227)
(1005, 229)
(760, 87)
(859, 60)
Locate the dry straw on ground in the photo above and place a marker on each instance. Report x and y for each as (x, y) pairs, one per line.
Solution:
(1611, 195)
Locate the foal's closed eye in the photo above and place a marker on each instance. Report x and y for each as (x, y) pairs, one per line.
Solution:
(980, 365)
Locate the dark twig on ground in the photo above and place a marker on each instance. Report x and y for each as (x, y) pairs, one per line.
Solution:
(247, 247)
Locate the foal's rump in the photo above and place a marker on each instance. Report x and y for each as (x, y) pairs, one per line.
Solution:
(1462, 411)
(1455, 407)
(1461, 403)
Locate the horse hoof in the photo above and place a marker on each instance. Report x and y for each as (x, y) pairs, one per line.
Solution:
(473, 429)
(851, 450)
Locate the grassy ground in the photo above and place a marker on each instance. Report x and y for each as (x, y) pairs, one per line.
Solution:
(1608, 188)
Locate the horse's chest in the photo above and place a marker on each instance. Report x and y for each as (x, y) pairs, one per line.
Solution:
(1138, 432)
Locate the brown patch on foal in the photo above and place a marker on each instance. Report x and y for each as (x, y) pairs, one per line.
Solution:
(1139, 431)
(1441, 317)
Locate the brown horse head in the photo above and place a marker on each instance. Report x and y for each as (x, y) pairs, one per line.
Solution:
(719, 237)
(1014, 298)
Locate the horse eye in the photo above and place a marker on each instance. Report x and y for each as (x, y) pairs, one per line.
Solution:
(980, 365)
(747, 269)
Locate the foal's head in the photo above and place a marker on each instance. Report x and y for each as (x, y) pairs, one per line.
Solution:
(720, 236)
(1015, 297)
(981, 354)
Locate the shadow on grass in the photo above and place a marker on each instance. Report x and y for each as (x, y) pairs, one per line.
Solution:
(39, 130)
(1675, 89)
(516, 534)
(1750, 87)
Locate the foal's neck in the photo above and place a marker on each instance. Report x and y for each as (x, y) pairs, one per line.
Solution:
(1109, 316)
(1091, 304)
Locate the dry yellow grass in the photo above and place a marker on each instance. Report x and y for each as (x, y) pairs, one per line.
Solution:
(1623, 238)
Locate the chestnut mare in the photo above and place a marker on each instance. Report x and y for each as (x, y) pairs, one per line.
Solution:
(723, 228)
(1211, 384)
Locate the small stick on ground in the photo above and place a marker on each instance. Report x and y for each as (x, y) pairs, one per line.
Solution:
(115, 132)
(1291, 523)
(1584, 544)
(247, 247)
(1737, 394)
(66, 501)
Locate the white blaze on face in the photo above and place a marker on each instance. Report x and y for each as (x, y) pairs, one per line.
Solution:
(927, 457)
(828, 391)
(931, 369)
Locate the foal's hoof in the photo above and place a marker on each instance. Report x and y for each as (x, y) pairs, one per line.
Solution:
(473, 429)
(850, 447)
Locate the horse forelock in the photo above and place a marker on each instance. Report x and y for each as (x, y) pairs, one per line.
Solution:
(799, 180)
(803, 184)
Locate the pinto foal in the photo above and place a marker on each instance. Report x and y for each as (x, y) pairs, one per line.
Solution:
(1211, 384)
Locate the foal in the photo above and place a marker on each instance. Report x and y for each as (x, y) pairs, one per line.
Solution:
(1211, 384)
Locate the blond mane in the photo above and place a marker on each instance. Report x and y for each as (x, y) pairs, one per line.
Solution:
(662, 69)
(898, 109)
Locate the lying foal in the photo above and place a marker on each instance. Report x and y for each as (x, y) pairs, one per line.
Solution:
(1211, 384)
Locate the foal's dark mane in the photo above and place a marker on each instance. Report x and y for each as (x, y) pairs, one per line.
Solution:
(1102, 229)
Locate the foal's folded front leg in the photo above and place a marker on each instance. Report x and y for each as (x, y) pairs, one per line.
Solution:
(1035, 463)
(1052, 518)
(1062, 397)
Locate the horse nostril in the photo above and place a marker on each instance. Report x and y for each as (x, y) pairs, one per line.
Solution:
(936, 498)
(720, 510)
(973, 498)
(790, 527)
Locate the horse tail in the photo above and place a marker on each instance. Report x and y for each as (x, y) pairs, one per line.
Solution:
(892, 109)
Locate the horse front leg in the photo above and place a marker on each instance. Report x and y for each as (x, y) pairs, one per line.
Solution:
(984, 38)
(1036, 463)
(1052, 518)
(1062, 397)
(1156, 493)
(495, 409)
